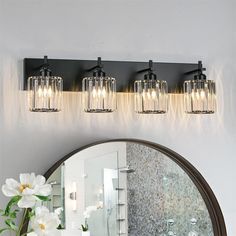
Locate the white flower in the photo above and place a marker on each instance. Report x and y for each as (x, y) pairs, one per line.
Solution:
(28, 187)
(44, 223)
(58, 210)
(89, 210)
(32, 234)
(100, 205)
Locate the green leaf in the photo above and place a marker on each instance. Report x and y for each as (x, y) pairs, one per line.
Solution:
(10, 204)
(4, 229)
(30, 214)
(13, 213)
(84, 228)
(43, 198)
(11, 224)
(60, 227)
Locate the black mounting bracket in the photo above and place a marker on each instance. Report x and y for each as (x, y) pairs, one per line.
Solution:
(44, 68)
(198, 73)
(98, 69)
(125, 72)
(150, 75)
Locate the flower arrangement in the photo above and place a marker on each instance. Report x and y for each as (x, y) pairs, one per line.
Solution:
(87, 213)
(27, 196)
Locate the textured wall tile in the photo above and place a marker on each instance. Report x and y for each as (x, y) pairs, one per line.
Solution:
(159, 191)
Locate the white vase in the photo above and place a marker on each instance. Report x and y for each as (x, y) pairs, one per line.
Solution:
(85, 233)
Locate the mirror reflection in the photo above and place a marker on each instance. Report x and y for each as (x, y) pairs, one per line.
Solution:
(125, 188)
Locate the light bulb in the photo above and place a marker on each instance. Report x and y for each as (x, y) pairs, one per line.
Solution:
(44, 98)
(104, 92)
(148, 94)
(94, 92)
(40, 91)
(45, 91)
(199, 97)
(50, 92)
(99, 92)
(154, 94)
(151, 96)
(96, 97)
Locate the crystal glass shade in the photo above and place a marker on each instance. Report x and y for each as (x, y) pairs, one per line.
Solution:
(99, 94)
(151, 96)
(45, 93)
(199, 96)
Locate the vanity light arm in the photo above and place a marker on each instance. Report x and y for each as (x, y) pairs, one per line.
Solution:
(198, 71)
(149, 69)
(98, 69)
(150, 74)
(44, 69)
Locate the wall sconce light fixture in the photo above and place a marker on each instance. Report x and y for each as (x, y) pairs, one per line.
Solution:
(99, 91)
(73, 196)
(151, 95)
(199, 93)
(45, 91)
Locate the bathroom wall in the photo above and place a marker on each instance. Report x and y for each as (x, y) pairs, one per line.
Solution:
(159, 191)
(73, 178)
(100, 171)
(92, 170)
(177, 31)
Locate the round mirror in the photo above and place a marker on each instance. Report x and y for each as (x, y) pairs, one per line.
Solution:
(133, 188)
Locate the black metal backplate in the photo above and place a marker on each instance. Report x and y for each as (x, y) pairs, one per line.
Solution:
(125, 72)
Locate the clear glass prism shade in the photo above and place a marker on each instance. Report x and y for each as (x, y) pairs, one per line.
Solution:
(99, 94)
(151, 96)
(45, 93)
(200, 96)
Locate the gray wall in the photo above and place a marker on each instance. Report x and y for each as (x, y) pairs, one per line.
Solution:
(178, 31)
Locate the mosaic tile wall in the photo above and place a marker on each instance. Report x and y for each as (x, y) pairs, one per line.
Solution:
(162, 200)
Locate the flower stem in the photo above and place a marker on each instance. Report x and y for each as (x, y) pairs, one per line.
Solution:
(18, 233)
(86, 224)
